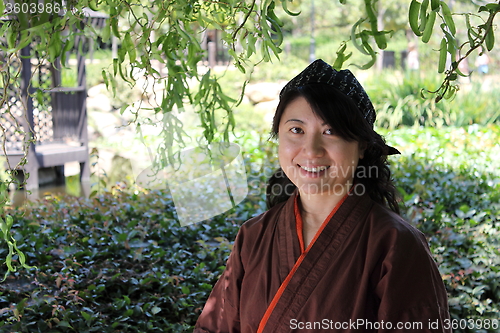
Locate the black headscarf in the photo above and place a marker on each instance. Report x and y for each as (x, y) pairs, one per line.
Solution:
(344, 81)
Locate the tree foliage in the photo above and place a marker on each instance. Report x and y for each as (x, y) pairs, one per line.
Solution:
(170, 33)
(425, 15)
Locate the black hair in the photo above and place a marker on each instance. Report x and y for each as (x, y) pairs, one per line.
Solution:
(346, 120)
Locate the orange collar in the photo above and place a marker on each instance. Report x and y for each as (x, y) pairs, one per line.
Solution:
(300, 225)
(285, 283)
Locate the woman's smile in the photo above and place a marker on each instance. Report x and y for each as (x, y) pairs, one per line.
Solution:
(314, 158)
(313, 171)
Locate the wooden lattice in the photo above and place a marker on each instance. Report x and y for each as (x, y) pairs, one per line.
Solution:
(38, 104)
(13, 110)
(42, 102)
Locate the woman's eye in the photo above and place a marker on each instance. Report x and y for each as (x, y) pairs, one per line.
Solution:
(329, 131)
(296, 130)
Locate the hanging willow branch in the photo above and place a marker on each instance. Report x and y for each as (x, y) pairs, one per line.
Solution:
(422, 19)
(251, 30)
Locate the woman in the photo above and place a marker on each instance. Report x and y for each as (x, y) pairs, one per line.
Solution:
(331, 253)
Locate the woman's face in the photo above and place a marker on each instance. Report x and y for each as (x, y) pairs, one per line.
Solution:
(314, 159)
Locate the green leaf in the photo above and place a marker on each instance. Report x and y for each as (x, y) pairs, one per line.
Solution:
(9, 222)
(413, 17)
(491, 7)
(355, 36)
(284, 4)
(105, 78)
(435, 5)
(490, 39)
(68, 46)
(448, 18)
(115, 66)
(11, 39)
(427, 32)
(106, 33)
(123, 108)
(21, 305)
(114, 27)
(86, 316)
(23, 18)
(64, 323)
(54, 46)
(129, 46)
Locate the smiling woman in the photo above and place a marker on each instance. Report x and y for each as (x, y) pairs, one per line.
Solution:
(332, 247)
(318, 161)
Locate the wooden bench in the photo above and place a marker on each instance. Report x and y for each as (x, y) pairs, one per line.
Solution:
(60, 137)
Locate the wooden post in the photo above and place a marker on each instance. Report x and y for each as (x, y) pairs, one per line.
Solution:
(212, 54)
(32, 165)
(82, 123)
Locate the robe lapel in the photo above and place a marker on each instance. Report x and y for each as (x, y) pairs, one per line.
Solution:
(317, 260)
(289, 248)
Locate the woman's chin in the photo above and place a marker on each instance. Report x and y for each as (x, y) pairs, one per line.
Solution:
(318, 189)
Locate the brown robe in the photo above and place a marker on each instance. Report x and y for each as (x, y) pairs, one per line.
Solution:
(368, 271)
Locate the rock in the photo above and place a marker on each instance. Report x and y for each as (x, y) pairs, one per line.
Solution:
(99, 102)
(71, 169)
(102, 162)
(104, 123)
(262, 92)
(268, 109)
(96, 90)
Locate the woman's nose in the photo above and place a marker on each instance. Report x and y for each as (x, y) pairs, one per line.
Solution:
(313, 146)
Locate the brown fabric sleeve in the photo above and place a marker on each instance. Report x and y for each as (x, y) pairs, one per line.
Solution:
(221, 311)
(409, 284)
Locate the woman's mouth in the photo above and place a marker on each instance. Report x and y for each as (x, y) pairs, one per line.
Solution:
(313, 170)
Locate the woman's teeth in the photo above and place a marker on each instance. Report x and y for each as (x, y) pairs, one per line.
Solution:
(314, 169)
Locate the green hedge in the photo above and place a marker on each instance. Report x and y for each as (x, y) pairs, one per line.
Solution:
(450, 182)
(116, 263)
(398, 100)
(120, 262)
(460, 214)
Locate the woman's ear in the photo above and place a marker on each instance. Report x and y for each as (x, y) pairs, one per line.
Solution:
(362, 148)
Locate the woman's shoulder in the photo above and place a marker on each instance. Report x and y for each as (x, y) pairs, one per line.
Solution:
(387, 224)
(265, 219)
(261, 229)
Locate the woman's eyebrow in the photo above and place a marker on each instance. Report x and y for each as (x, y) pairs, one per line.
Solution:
(297, 120)
(300, 121)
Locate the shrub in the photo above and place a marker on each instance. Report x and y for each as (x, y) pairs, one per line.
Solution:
(116, 263)
(120, 262)
(459, 213)
(450, 190)
(398, 101)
